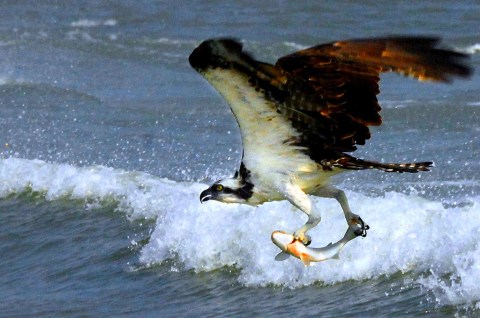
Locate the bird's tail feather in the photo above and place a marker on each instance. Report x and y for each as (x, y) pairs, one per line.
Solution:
(359, 164)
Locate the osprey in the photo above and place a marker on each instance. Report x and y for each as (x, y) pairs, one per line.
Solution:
(300, 118)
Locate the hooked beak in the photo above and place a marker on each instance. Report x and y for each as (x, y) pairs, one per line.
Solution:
(282, 239)
(205, 195)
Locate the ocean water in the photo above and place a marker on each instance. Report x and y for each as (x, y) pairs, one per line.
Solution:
(107, 137)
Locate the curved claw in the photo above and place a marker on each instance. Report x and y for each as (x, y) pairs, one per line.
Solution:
(361, 227)
(303, 238)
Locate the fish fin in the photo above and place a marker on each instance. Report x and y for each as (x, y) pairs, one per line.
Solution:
(305, 258)
(329, 244)
(336, 256)
(282, 256)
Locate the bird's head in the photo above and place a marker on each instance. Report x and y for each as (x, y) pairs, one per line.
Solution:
(219, 53)
(233, 190)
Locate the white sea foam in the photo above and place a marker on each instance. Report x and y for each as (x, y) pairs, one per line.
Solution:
(171, 41)
(397, 103)
(88, 23)
(295, 46)
(471, 49)
(408, 233)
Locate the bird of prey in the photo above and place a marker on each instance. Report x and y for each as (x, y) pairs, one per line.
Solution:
(301, 118)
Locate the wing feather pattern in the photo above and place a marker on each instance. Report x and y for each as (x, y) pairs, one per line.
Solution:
(335, 85)
(329, 92)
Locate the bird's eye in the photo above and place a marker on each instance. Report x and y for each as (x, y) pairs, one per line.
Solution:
(219, 187)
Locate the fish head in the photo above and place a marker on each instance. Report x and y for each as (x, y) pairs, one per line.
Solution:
(282, 240)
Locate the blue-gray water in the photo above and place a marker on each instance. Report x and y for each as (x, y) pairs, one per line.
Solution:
(107, 136)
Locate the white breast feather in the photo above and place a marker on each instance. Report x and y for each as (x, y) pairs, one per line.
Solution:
(264, 131)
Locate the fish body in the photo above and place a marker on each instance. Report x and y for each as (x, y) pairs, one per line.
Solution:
(290, 246)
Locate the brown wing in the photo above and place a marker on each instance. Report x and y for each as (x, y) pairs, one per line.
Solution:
(333, 87)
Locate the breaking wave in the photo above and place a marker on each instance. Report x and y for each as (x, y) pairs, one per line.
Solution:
(409, 234)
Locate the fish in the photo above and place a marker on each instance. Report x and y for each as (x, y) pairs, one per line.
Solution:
(291, 246)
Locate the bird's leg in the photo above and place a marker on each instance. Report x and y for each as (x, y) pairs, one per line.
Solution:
(354, 221)
(300, 200)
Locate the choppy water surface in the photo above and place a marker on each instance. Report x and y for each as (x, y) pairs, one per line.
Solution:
(107, 137)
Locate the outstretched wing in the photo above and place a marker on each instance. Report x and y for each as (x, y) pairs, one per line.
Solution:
(332, 87)
(321, 100)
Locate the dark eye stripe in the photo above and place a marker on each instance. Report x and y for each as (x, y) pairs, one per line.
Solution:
(227, 190)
